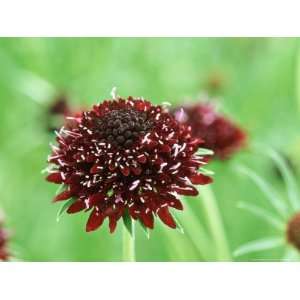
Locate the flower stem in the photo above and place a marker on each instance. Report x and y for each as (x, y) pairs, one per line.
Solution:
(129, 243)
(215, 223)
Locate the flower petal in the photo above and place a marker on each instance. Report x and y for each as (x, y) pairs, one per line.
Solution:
(147, 219)
(175, 203)
(63, 196)
(54, 177)
(201, 179)
(95, 169)
(136, 170)
(96, 198)
(142, 158)
(165, 148)
(188, 190)
(166, 217)
(125, 171)
(112, 223)
(79, 205)
(95, 220)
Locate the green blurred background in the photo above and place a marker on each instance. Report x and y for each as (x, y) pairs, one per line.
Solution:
(254, 80)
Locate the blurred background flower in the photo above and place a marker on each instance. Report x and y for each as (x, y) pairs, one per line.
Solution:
(218, 132)
(4, 236)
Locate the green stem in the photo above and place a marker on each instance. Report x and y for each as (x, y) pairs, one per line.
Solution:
(129, 243)
(197, 234)
(215, 223)
(181, 245)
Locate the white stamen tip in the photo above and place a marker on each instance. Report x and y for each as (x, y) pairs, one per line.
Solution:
(113, 93)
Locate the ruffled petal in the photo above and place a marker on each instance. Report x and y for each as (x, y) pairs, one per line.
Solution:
(112, 223)
(63, 196)
(147, 219)
(96, 199)
(55, 178)
(125, 171)
(95, 220)
(142, 158)
(166, 217)
(188, 190)
(175, 203)
(200, 179)
(79, 205)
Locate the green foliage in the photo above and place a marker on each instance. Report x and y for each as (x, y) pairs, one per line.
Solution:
(259, 90)
(145, 230)
(178, 225)
(64, 207)
(203, 151)
(127, 220)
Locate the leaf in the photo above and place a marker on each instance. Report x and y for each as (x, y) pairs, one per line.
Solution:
(259, 245)
(215, 222)
(145, 229)
(178, 225)
(59, 189)
(204, 151)
(110, 193)
(64, 207)
(206, 172)
(127, 220)
(197, 234)
(263, 185)
(288, 177)
(263, 214)
(290, 254)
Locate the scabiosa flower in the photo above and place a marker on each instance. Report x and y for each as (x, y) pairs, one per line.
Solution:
(218, 132)
(286, 216)
(4, 253)
(126, 156)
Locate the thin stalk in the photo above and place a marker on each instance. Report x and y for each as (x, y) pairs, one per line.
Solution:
(198, 235)
(129, 243)
(215, 223)
(290, 254)
(180, 246)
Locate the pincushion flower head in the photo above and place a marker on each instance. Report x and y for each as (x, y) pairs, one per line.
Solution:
(219, 133)
(126, 157)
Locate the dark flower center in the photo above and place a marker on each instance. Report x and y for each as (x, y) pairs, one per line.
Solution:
(122, 127)
(293, 231)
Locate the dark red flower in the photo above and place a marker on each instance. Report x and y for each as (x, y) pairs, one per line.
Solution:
(126, 156)
(218, 132)
(4, 254)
